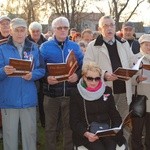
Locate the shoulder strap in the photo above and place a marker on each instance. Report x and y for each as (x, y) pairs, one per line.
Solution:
(85, 112)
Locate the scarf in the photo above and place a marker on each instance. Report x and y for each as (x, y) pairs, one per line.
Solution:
(88, 94)
(96, 88)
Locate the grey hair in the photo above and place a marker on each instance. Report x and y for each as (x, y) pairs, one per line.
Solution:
(60, 20)
(100, 23)
(35, 26)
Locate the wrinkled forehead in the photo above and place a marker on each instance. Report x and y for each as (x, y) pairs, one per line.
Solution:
(107, 21)
(61, 23)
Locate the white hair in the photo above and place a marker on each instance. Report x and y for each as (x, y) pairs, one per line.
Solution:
(60, 20)
(101, 20)
(35, 26)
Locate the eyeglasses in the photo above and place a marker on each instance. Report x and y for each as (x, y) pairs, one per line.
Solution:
(96, 79)
(60, 28)
(108, 25)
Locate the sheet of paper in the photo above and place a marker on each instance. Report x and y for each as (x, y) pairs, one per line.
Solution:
(137, 65)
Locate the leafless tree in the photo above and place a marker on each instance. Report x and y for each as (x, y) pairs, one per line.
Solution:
(27, 9)
(118, 7)
(71, 9)
(31, 10)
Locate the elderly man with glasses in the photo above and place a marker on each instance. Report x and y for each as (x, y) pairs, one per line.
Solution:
(111, 52)
(57, 94)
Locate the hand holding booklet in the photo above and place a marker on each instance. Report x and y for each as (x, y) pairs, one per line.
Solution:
(22, 66)
(61, 71)
(114, 131)
(127, 73)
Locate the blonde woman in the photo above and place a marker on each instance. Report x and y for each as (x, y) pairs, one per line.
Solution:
(94, 97)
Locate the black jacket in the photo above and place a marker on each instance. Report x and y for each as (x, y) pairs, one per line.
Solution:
(98, 111)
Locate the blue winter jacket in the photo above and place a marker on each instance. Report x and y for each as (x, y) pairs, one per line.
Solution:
(53, 52)
(16, 92)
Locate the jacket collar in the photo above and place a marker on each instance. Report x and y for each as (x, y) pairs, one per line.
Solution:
(27, 45)
(55, 39)
(99, 41)
(40, 41)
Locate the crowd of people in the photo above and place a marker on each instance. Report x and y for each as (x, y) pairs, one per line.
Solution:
(93, 93)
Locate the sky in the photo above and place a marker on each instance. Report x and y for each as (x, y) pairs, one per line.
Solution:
(142, 13)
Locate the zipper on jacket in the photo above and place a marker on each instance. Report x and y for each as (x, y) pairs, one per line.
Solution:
(64, 86)
(21, 95)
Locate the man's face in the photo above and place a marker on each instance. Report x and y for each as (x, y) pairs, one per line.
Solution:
(19, 34)
(61, 32)
(35, 34)
(108, 29)
(5, 27)
(128, 33)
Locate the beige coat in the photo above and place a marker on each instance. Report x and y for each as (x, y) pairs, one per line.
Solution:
(97, 51)
(143, 88)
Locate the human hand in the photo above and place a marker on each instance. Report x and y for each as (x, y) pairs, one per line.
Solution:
(91, 136)
(27, 76)
(52, 80)
(9, 69)
(73, 78)
(110, 76)
(141, 78)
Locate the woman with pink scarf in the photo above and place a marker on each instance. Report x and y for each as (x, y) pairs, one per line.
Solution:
(93, 101)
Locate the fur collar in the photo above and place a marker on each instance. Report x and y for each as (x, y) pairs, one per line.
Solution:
(99, 41)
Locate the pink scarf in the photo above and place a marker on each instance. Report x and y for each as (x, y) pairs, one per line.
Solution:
(96, 88)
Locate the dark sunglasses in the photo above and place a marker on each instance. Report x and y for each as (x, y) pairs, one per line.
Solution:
(60, 28)
(91, 79)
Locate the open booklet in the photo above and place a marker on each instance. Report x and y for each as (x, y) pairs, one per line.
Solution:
(61, 71)
(146, 73)
(22, 66)
(127, 73)
(146, 66)
(113, 131)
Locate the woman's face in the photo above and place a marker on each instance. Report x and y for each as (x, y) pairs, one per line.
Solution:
(92, 79)
(145, 46)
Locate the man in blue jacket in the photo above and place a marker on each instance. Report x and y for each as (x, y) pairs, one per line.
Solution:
(57, 94)
(18, 95)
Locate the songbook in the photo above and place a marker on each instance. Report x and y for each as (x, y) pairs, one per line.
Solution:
(113, 131)
(127, 73)
(61, 71)
(146, 66)
(22, 66)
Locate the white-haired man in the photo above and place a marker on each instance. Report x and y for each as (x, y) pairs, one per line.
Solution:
(35, 35)
(57, 94)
